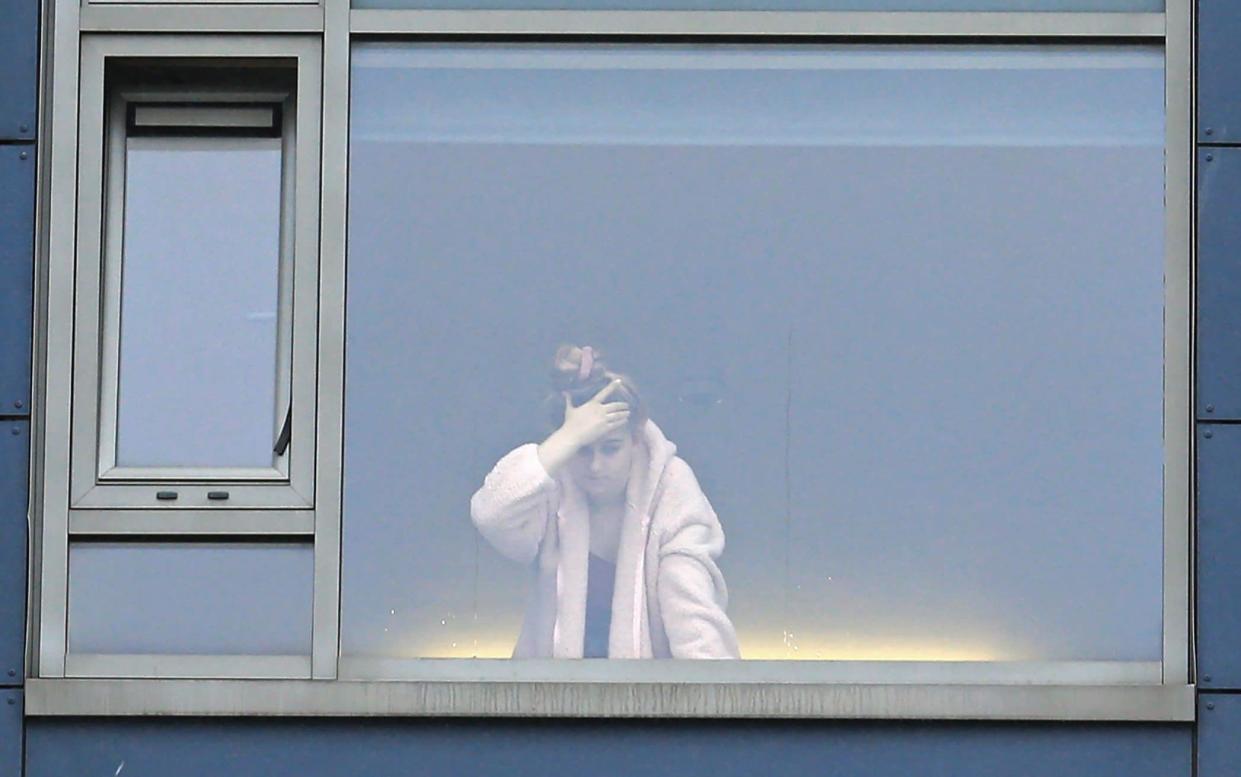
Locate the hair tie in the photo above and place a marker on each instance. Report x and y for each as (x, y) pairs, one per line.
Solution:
(588, 364)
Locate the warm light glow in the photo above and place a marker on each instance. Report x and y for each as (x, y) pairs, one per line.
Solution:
(755, 648)
(775, 649)
(485, 646)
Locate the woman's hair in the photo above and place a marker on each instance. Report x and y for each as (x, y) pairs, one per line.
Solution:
(582, 372)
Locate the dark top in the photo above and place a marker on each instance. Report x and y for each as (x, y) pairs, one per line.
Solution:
(600, 581)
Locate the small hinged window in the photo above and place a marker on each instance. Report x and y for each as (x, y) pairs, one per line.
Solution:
(204, 272)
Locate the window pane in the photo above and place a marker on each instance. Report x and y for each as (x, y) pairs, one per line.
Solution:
(775, 5)
(190, 599)
(198, 336)
(899, 309)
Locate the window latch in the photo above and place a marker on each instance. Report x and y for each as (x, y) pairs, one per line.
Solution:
(286, 434)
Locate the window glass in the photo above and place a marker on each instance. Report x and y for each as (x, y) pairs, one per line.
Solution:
(899, 309)
(199, 599)
(199, 299)
(775, 5)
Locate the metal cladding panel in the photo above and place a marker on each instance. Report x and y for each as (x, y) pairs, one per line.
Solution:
(1219, 547)
(1219, 70)
(11, 732)
(1219, 284)
(1219, 746)
(14, 455)
(17, 195)
(19, 62)
(599, 748)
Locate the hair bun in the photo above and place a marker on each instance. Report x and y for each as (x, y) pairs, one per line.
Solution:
(580, 373)
(572, 361)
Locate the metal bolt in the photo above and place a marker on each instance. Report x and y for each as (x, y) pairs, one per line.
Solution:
(15, 431)
(17, 403)
(23, 155)
(11, 700)
(1210, 157)
(1208, 434)
(1206, 678)
(1210, 408)
(1209, 131)
(1210, 705)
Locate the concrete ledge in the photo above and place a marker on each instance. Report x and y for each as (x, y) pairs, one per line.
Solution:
(99, 697)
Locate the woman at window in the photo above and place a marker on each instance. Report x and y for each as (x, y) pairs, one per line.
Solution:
(622, 539)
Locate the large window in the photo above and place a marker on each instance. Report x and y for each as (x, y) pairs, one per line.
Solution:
(460, 354)
(899, 309)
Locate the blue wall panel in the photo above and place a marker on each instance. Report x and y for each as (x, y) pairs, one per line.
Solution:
(1219, 747)
(1219, 283)
(14, 454)
(1219, 71)
(318, 748)
(19, 65)
(1219, 547)
(10, 732)
(17, 196)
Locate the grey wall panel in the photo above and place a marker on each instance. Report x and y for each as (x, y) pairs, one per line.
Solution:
(14, 455)
(318, 748)
(1219, 283)
(1219, 546)
(1219, 746)
(17, 195)
(1219, 71)
(19, 63)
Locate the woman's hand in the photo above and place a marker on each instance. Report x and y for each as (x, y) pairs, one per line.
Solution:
(582, 426)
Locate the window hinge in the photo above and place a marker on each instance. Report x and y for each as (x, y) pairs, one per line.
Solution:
(286, 434)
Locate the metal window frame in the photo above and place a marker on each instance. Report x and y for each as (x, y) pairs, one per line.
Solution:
(1132, 691)
(95, 481)
(763, 24)
(88, 3)
(72, 304)
(104, 422)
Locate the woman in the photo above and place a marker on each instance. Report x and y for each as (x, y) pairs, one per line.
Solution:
(623, 541)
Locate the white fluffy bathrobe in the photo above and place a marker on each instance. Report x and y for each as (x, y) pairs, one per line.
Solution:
(669, 599)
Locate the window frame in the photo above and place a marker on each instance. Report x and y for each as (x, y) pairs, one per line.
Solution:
(75, 506)
(105, 425)
(95, 481)
(1047, 691)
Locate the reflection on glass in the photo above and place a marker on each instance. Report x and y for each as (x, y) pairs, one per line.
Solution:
(623, 541)
(199, 295)
(900, 308)
(209, 598)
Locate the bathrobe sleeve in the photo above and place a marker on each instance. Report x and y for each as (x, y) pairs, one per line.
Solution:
(512, 508)
(693, 598)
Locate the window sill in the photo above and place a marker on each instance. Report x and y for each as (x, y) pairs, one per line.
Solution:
(100, 697)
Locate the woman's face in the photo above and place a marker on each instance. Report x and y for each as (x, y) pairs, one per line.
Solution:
(602, 468)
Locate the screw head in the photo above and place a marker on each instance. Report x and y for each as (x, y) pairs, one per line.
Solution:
(1210, 705)
(15, 431)
(1209, 131)
(23, 155)
(1206, 678)
(1210, 157)
(11, 700)
(18, 403)
(1210, 408)
(1208, 434)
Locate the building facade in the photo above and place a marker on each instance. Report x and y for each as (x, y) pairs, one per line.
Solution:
(935, 298)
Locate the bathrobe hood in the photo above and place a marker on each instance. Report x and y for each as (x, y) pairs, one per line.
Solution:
(669, 597)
